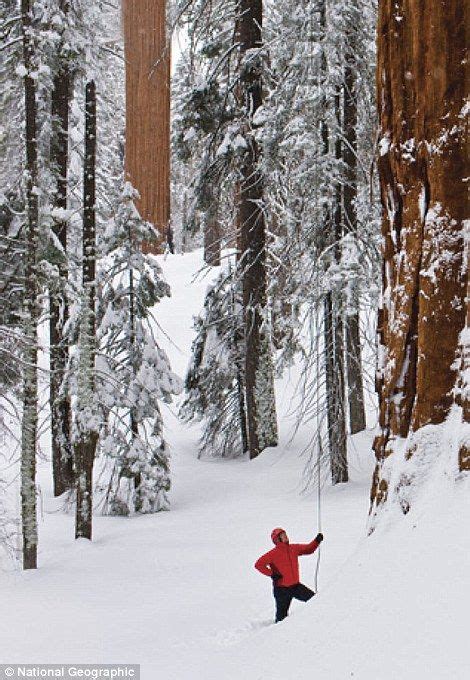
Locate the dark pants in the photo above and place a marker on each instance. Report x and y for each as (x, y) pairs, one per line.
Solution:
(284, 596)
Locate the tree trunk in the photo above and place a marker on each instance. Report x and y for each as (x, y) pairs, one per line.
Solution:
(464, 381)
(259, 375)
(334, 386)
(147, 54)
(212, 235)
(423, 161)
(338, 454)
(357, 416)
(29, 421)
(85, 445)
(62, 465)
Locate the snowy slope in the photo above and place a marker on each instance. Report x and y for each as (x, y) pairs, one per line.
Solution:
(177, 592)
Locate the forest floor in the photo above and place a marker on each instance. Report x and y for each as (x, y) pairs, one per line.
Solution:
(177, 592)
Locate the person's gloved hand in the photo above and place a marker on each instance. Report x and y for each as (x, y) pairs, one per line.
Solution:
(319, 538)
(276, 577)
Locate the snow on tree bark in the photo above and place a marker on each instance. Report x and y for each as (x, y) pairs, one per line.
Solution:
(422, 165)
(86, 422)
(58, 306)
(259, 374)
(357, 417)
(29, 423)
(147, 56)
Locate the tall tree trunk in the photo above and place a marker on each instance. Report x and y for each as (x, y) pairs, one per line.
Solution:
(29, 421)
(147, 53)
(259, 375)
(338, 455)
(357, 416)
(85, 445)
(335, 391)
(333, 327)
(132, 341)
(421, 79)
(62, 465)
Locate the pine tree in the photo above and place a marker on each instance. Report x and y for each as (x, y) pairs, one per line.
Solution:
(86, 425)
(215, 380)
(135, 375)
(259, 374)
(30, 313)
(58, 304)
(352, 20)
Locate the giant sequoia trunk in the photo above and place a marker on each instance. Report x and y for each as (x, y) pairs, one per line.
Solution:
(58, 306)
(147, 56)
(29, 422)
(422, 165)
(87, 433)
(259, 376)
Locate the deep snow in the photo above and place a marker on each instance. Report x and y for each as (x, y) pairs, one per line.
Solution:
(177, 592)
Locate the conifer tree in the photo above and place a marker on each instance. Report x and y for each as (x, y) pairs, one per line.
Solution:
(215, 390)
(86, 422)
(62, 83)
(134, 373)
(259, 374)
(30, 312)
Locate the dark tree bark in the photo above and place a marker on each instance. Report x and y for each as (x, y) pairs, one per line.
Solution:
(212, 235)
(29, 421)
(334, 388)
(333, 327)
(259, 377)
(62, 463)
(338, 454)
(85, 446)
(357, 416)
(421, 80)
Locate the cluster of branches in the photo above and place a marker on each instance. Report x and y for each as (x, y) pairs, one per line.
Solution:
(72, 265)
(314, 63)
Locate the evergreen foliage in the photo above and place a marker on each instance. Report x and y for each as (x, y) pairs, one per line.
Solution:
(214, 382)
(133, 373)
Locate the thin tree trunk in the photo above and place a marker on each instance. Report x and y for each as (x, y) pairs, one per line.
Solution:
(339, 460)
(357, 416)
(238, 343)
(132, 338)
(85, 446)
(62, 464)
(259, 375)
(212, 235)
(29, 421)
(329, 373)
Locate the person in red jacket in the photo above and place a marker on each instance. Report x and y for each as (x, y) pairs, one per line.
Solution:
(281, 564)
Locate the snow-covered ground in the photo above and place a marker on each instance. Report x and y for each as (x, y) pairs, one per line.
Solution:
(177, 592)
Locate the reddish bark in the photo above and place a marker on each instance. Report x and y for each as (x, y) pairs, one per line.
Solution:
(421, 88)
(147, 56)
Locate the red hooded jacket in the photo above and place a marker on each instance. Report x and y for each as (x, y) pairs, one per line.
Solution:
(284, 560)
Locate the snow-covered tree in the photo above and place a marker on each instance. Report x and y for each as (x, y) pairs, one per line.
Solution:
(214, 385)
(134, 375)
(30, 311)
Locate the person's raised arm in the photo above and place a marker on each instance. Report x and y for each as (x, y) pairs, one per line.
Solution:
(309, 548)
